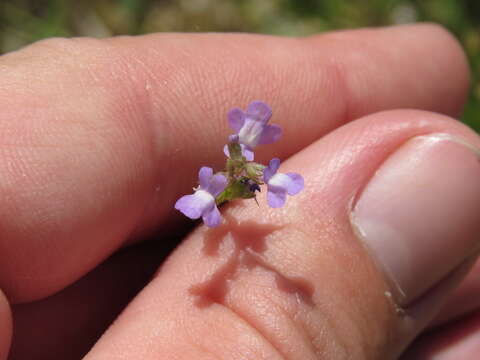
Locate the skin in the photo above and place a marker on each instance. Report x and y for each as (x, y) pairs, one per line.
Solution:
(96, 145)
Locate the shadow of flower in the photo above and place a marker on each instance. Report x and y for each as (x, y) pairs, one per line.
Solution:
(249, 239)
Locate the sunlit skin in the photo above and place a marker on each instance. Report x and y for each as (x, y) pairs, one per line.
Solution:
(99, 138)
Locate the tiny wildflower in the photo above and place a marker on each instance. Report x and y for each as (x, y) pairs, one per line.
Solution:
(202, 202)
(279, 185)
(251, 126)
(242, 177)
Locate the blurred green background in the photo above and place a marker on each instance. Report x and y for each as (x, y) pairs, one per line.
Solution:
(25, 21)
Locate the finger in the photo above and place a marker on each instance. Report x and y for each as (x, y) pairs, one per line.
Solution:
(67, 324)
(457, 340)
(5, 327)
(100, 137)
(72, 320)
(353, 267)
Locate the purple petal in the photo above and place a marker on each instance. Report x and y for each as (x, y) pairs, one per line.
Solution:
(271, 169)
(233, 138)
(204, 176)
(236, 118)
(296, 184)
(270, 134)
(247, 152)
(276, 197)
(267, 174)
(212, 218)
(280, 181)
(251, 132)
(217, 184)
(193, 206)
(259, 111)
(274, 164)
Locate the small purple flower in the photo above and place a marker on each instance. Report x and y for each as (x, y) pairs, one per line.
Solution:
(251, 126)
(202, 202)
(279, 185)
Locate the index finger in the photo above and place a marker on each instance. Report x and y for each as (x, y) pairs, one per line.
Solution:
(99, 137)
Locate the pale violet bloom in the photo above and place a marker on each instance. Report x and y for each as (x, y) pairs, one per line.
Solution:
(279, 185)
(252, 128)
(202, 202)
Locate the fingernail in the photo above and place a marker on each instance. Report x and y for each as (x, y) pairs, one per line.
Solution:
(419, 215)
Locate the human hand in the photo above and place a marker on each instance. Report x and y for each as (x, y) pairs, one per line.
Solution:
(100, 137)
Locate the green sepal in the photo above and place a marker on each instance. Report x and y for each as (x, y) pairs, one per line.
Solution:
(235, 151)
(235, 190)
(254, 171)
(239, 172)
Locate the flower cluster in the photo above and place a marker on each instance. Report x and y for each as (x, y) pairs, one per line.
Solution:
(242, 176)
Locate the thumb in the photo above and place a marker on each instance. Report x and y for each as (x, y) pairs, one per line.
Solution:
(354, 267)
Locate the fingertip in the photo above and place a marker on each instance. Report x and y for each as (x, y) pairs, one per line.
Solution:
(446, 56)
(403, 52)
